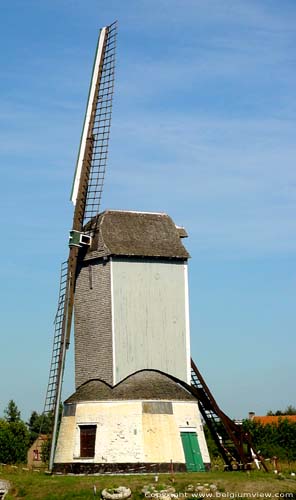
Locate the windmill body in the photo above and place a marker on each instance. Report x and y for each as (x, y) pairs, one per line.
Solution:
(131, 300)
(126, 278)
(132, 350)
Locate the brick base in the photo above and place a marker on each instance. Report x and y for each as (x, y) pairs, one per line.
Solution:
(138, 468)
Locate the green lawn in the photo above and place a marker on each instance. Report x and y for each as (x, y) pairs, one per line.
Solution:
(41, 486)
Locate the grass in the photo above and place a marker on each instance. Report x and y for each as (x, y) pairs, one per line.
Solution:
(40, 486)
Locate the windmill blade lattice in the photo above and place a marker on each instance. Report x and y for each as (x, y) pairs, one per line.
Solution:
(86, 196)
(57, 353)
(101, 129)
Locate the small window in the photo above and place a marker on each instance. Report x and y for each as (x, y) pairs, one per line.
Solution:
(69, 410)
(87, 440)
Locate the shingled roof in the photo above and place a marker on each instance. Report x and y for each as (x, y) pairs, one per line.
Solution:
(139, 234)
(144, 385)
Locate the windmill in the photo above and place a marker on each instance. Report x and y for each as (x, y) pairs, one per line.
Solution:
(134, 379)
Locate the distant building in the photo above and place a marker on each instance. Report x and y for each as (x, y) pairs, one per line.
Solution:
(34, 455)
(270, 419)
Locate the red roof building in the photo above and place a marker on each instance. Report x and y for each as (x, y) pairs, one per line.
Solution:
(271, 419)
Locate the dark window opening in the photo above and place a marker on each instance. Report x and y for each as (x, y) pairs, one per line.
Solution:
(87, 440)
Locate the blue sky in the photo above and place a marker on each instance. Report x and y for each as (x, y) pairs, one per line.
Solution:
(203, 129)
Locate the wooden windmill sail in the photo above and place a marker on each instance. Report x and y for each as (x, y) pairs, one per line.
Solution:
(86, 196)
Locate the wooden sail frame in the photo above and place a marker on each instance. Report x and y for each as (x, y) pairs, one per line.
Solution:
(86, 196)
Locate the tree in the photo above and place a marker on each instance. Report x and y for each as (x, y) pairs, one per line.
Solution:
(12, 413)
(14, 441)
(290, 410)
(45, 450)
(14, 436)
(39, 424)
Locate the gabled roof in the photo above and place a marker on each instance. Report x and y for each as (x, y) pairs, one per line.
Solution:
(139, 234)
(143, 385)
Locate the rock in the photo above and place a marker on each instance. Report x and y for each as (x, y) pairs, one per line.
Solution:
(4, 487)
(119, 493)
(4, 484)
(199, 488)
(148, 488)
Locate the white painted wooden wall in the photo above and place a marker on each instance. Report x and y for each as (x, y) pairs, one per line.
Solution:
(150, 317)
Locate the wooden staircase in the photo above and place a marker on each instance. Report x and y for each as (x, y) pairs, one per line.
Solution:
(234, 444)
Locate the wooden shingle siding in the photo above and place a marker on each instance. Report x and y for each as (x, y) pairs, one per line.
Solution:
(93, 323)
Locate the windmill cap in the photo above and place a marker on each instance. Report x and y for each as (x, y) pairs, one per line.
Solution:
(139, 234)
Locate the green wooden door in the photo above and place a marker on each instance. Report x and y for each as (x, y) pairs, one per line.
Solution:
(192, 453)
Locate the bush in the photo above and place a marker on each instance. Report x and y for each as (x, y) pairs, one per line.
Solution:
(274, 439)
